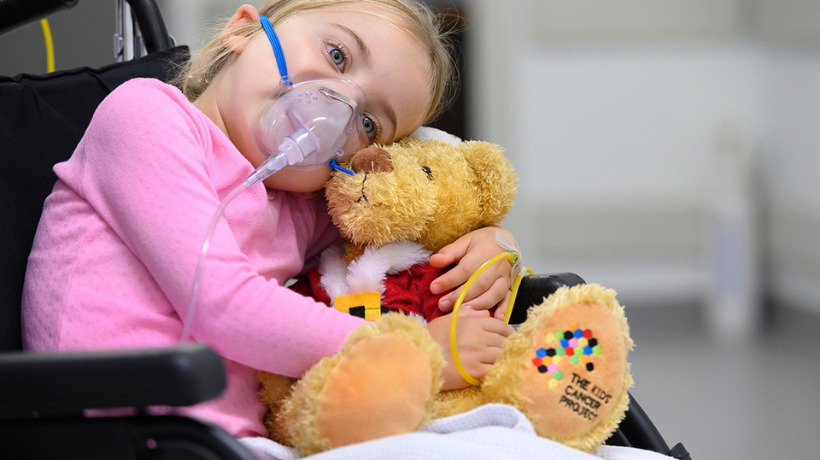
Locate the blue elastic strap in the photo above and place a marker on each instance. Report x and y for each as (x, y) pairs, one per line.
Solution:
(334, 165)
(277, 48)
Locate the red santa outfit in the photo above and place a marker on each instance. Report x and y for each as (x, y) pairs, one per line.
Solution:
(399, 272)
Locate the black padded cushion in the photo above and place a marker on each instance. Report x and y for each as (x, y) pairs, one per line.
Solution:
(42, 118)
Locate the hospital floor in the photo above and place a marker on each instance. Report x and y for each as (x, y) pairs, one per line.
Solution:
(755, 401)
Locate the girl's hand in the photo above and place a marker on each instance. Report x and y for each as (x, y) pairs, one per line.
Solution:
(470, 252)
(478, 338)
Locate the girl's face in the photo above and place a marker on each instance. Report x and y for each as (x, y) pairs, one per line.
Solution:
(387, 63)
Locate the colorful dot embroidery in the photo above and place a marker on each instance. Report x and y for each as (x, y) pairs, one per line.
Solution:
(574, 343)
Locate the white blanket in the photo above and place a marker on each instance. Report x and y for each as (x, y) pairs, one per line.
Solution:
(491, 432)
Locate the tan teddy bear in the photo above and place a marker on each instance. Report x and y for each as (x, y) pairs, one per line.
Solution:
(565, 368)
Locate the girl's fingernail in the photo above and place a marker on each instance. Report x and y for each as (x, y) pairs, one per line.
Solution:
(446, 304)
(436, 288)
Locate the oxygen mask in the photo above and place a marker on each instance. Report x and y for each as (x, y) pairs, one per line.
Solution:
(311, 122)
(306, 125)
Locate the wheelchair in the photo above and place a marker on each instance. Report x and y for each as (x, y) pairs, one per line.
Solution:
(43, 395)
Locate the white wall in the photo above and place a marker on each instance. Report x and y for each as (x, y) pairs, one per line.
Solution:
(618, 128)
(793, 166)
(615, 150)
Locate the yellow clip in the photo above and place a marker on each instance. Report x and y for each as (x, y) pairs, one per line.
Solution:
(367, 305)
(514, 258)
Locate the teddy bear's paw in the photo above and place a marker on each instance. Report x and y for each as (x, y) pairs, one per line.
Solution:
(573, 375)
(380, 384)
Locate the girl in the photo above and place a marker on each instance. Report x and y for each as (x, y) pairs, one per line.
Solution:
(116, 250)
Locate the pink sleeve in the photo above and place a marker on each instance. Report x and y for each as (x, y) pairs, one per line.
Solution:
(147, 173)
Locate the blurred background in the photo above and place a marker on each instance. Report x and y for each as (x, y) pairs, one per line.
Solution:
(668, 149)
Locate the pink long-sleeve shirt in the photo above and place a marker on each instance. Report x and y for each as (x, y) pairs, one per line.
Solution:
(116, 250)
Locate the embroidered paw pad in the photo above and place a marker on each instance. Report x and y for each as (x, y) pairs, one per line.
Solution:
(573, 344)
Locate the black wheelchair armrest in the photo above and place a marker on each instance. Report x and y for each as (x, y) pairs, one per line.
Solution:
(534, 289)
(67, 383)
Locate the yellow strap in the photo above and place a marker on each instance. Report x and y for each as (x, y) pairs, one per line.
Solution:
(49, 44)
(514, 258)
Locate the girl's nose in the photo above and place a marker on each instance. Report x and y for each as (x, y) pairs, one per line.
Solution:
(371, 159)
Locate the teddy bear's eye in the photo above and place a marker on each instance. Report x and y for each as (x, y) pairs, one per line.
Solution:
(427, 171)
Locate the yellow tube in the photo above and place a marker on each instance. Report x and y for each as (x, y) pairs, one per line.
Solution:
(49, 44)
(515, 287)
(514, 258)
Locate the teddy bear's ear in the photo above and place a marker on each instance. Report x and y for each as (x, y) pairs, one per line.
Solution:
(496, 177)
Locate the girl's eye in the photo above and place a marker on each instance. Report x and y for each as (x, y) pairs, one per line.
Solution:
(370, 127)
(337, 56)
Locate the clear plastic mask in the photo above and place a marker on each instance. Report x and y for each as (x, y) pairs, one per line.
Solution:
(311, 122)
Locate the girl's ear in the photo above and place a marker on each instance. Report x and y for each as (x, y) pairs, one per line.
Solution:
(232, 40)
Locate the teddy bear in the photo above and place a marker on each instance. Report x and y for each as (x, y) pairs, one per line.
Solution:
(404, 203)
(565, 367)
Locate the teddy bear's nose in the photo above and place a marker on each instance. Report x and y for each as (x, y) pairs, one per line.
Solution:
(371, 159)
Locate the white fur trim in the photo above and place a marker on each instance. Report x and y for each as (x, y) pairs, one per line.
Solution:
(403, 255)
(368, 271)
(425, 133)
(333, 270)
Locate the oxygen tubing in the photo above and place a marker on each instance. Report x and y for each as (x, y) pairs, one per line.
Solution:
(49, 44)
(265, 170)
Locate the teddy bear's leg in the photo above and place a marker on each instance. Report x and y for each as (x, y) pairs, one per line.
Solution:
(381, 383)
(273, 391)
(566, 367)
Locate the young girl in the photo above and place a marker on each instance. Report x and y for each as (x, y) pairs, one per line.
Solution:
(116, 251)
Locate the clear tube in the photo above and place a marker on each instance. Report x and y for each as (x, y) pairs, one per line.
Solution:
(265, 170)
(200, 267)
(270, 166)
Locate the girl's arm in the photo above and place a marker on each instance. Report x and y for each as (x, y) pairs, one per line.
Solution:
(148, 174)
(469, 253)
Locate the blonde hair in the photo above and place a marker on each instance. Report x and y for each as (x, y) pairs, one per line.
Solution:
(418, 20)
